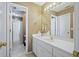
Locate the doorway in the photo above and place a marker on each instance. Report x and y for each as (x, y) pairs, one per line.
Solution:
(18, 35)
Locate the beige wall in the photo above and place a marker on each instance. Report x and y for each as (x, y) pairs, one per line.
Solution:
(34, 17)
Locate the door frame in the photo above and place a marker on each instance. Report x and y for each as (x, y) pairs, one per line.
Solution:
(9, 29)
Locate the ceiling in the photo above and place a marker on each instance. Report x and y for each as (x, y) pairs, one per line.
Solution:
(39, 3)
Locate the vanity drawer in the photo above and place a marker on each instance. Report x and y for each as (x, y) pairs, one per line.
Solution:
(60, 53)
(45, 46)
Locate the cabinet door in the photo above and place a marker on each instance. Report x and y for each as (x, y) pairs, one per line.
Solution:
(60, 53)
(42, 51)
(3, 27)
(34, 46)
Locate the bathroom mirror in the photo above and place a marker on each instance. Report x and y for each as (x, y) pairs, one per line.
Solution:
(64, 25)
(62, 22)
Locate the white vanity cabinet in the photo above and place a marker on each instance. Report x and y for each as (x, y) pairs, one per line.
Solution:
(43, 48)
(60, 53)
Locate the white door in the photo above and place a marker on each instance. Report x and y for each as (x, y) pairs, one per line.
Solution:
(3, 28)
(64, 25)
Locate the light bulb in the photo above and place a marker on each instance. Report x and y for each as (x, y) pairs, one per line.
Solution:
(54, 3)
(44, 9)
(50, 6)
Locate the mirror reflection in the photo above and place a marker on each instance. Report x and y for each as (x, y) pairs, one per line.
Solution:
(61, 17)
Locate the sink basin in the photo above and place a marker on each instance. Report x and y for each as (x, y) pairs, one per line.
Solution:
(43, 37)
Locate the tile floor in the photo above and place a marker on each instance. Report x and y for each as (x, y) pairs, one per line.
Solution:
(19, 51)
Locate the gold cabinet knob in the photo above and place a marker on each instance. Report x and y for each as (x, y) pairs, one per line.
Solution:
(2, 44)
(75, 53)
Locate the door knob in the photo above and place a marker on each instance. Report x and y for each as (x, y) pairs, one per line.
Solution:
(2, 44)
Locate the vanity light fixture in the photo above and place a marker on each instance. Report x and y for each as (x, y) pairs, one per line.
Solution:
(47, 8)
(50, 5)
(44, 9)
(54, 3)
